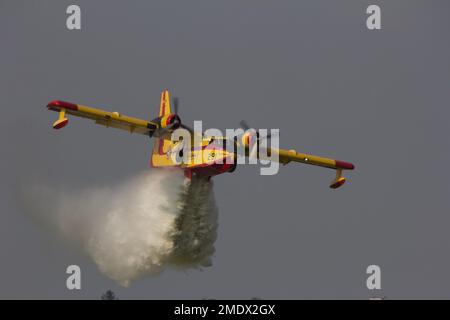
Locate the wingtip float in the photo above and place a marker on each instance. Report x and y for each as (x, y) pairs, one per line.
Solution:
(61, 107)
(340, 180)
(167, 121)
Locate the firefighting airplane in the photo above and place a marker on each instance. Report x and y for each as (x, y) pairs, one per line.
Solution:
(208, 161)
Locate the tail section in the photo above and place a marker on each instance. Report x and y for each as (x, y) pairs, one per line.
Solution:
(164, 105)
(162, 145)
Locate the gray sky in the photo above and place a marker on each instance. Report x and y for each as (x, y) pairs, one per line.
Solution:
(378, 99)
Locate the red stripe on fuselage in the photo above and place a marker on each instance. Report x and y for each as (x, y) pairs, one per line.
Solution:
(212, 169)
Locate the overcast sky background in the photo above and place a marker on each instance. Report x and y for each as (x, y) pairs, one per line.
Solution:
(379, 99)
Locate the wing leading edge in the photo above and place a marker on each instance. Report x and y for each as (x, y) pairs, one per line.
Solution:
(287, 156)
(102, 117)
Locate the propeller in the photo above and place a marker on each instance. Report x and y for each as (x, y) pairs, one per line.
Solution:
(255, 149)
(244, 125)
(176, 105)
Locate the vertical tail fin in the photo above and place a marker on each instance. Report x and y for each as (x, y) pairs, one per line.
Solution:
(162, 144)
(164, 105)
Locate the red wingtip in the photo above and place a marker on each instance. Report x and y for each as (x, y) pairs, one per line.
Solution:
(58, 104)
(344, 165)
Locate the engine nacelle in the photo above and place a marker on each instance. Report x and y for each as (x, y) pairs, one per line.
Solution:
(249, 138)
(171, 120)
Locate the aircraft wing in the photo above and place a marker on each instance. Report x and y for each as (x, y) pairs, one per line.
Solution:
(286, 156)
(102, 117)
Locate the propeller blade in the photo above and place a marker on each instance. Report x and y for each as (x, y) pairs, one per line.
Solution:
(175, 101)
(186, 127)
(244, 125)
(269, 135)
(254, 151)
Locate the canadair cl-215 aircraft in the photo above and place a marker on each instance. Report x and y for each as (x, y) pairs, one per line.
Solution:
(208, 161)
